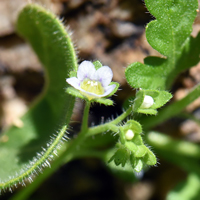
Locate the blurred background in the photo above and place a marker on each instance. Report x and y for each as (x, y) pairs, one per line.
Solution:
(113, 32)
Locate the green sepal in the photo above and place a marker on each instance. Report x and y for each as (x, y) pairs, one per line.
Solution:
(137, 139)
(97, 64)
(124, 173)
(134, 126)
(148, 111)
(115, 90)
(141, 151)
(138, 100)
(136, 163)
(150, 158)
(139, 165)
(131, 146)
(160, 98)
(121, 156)
(74, 92)
(122, 135)
(134, 151)
(106, 102)
(137, 150)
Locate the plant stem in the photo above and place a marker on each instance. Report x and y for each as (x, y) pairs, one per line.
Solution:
(110, 125)
(85, 118)
(66, 155)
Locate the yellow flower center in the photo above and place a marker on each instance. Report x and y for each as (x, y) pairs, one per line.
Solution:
(92, 87)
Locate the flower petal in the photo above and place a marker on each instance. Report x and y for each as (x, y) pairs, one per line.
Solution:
(73, 82)
(76, 84)
(109, 89)
(104, 75)
(86, 70)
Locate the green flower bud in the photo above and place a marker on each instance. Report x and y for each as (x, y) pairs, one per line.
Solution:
(121, 156)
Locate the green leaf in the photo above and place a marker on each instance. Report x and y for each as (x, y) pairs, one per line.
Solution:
(169, 34)
(22, 155)
(188, 189)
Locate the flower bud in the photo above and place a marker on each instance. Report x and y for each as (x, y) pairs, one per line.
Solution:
(147, 102)
(129, 134)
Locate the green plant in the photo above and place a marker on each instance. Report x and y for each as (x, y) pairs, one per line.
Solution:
(35, 146)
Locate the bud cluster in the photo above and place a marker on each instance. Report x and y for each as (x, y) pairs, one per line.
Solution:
(131, 148)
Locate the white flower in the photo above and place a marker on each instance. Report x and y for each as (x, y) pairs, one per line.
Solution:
(147, 102)
(92, 83)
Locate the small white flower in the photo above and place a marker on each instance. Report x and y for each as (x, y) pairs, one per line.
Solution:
(92, 83)
(148, 102)
(129, 134)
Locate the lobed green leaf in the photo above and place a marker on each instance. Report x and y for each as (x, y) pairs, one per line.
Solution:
(169, 34)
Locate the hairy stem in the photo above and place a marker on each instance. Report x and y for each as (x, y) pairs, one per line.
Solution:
(110, 125)
(84, 127)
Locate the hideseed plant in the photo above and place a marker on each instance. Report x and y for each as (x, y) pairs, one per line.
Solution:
(31, 153)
